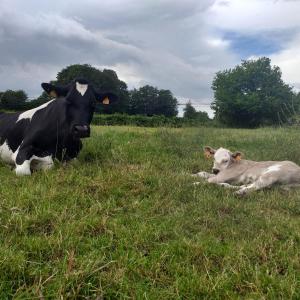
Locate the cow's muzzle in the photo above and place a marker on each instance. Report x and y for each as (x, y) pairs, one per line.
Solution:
(81, 131)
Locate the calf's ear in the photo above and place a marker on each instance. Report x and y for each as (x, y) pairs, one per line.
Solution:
(236, 156)
(209, 151)
(55, 90)
(106, 98)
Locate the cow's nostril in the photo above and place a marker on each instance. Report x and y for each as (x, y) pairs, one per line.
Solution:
(216, 171)
(81, 131)
(81, 128)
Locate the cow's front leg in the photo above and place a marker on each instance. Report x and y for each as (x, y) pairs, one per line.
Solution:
(23, 159)
(205, 175)
(42, 163)
(72, 150)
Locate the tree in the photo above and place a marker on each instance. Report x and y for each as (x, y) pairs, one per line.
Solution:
(13, 100)
(106, 80)
(251, 94)
(43, 98)
(189, 111)
(166, 104)
(150, 101)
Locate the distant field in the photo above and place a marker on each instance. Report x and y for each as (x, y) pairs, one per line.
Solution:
(125, 222)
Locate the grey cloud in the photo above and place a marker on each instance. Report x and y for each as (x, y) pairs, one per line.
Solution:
(165, 43)
(107, 14)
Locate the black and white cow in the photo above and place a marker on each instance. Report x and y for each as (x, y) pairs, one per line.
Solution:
(31, 140)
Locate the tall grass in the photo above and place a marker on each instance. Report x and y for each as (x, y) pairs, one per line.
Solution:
(125, 222)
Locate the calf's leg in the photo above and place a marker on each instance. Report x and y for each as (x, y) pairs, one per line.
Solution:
(229, 186)
(262, 182)
(212, 178)
(205, 175)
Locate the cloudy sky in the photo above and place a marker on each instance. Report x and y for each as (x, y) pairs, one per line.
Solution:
(172, 44)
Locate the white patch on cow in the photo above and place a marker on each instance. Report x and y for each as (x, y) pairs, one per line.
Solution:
(81, 88)
(23, 169)
(6, 153)
(41, 163)
(28, 114)
(274, 168)
(36, 163)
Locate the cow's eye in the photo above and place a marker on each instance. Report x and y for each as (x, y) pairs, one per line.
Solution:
(225, 161)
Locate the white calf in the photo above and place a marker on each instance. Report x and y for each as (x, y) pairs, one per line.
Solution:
(247, 175)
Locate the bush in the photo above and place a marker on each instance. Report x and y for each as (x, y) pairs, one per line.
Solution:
(145, 121)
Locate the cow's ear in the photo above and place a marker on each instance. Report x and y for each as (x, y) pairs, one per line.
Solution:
(236, 156)
(54, 90)
(106, 98)
(209, 151)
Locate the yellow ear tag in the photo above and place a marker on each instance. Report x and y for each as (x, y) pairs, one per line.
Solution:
(105, 100)
(238, 158)
(53, 94)
(207, 154)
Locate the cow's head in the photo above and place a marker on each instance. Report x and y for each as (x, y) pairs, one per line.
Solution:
(80, 98)
(223, 158)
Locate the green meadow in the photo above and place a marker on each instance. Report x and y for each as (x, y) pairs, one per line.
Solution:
(124, 221)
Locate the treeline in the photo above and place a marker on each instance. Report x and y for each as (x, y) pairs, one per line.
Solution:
(147, 100)
(17, 101)
(147, 121)
(249, 95)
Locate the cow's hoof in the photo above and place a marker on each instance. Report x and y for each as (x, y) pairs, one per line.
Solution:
(22, 171)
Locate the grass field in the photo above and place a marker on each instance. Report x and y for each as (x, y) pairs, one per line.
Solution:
(125, 222)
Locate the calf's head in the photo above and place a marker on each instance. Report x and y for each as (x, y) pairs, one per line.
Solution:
(223, 158)
(80, 98)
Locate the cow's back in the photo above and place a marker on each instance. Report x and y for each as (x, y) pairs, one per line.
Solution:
(49, 127)
(282, 172)
(43, 127)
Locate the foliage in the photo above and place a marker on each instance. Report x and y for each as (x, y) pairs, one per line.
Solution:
(290, 114)
(124, 221)
(147, 100)
(150, 101)
(146, 121)
(191, 113)
(13, 100)
(251, 94)
(106, 80)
